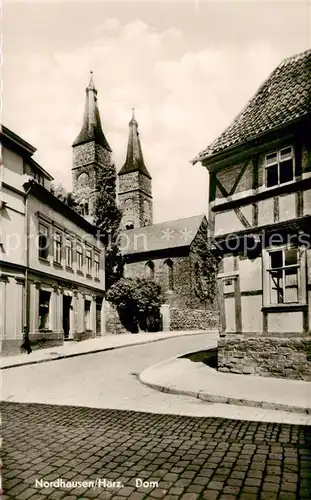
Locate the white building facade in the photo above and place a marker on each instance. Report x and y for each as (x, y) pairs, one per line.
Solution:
(52, 263)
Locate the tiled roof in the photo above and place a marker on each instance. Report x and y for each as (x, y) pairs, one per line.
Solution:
(134, 157)
(283, 97)
(161, 236)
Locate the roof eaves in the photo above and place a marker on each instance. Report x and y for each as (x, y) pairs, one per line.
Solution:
(17, 140)
(33, 163)
(246, 143)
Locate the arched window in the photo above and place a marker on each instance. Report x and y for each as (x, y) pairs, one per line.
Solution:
(83, 180)
(170, 273)
(128, 205)
(149, 270)
(84, 207)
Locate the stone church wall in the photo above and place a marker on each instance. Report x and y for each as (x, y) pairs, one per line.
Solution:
(181, 296)
(193, 319)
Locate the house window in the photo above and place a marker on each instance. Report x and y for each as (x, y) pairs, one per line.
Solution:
(170, 273)
(279, 167)
(57, 250)
(96, 265)
(88, 259)
(38, 178)
(285, 276)
(87, 314)
(44, 310)
(43, 242)
(150, 270)
(69, 252)
(79, 258)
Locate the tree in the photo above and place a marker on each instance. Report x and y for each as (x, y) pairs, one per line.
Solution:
(60, 192)
(138, 303)
(107, 217)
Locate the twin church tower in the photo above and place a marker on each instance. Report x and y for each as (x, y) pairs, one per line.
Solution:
(91, 152)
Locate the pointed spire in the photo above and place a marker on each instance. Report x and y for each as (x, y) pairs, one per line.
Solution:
(134, 157)
(91, 128)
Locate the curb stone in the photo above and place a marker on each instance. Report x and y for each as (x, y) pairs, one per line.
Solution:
(214, 398)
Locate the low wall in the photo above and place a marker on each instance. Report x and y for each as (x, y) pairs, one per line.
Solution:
(45, 340)
(193, 319)
(88, 334)
(266, 356)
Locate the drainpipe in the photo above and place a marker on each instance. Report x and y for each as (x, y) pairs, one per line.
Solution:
(26, 248)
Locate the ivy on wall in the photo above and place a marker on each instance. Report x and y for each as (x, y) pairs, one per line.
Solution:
(205, 267)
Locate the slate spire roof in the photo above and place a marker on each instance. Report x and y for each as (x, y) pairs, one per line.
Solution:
(284, 97)
(134, 157)
(91, 128)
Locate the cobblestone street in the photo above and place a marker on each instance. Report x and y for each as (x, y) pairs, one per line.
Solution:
(190, 458)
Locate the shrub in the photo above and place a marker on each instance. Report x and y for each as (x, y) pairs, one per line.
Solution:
(138, 303)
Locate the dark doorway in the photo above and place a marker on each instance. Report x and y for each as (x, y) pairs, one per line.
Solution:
(66, 315)
(99, 303)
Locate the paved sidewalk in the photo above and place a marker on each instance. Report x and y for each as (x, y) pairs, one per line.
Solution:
(108, 342)
(183, 376)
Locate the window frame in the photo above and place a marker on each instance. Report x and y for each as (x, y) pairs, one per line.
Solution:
(69, 252)
(47, 325)
(88, 261)
(96, 264)
(301, 276)
(278, 163)
(46, 250)
(170, 274)
(150, 270)
(79, 260)
(57, 247)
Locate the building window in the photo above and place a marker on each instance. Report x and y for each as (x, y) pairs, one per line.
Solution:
(44, 310)
(279, 167)
(57, 250)
(129, 225)
(79, 258)
(285, 276)
(84, 206)
(170, 273)
(83, 180)
(96, 265)
(87, 315)
(38, 177)
(43, 242)
(88, 259)
(69, 252)
(150, 270)
(128, 205)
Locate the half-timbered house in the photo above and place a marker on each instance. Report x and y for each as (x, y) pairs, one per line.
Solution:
(260, 207)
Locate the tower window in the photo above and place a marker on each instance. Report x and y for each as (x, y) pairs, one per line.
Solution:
(170, 273)
(84, 206)
(129, 225)
(83, 180)
(149, 270)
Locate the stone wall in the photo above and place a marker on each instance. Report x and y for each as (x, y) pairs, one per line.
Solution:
(266, 356)
(113, 323)
(193, 319)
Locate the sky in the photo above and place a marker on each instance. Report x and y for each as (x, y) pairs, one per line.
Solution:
(186, 67)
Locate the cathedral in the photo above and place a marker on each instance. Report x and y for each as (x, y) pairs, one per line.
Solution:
(170, 252)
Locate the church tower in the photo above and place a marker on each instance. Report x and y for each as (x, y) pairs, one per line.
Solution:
(91, 152)
(135, 192)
